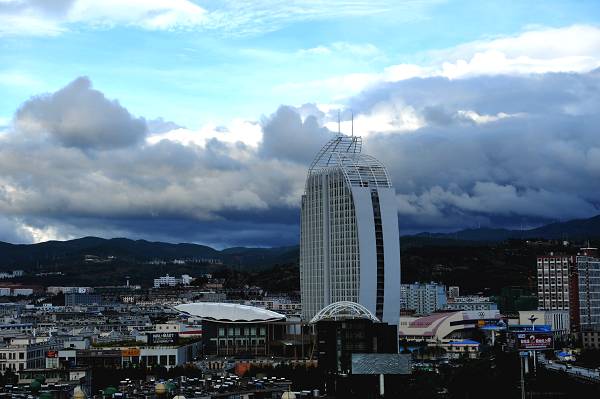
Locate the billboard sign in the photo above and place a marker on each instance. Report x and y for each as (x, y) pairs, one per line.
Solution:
(530, 340)
(380, 363)
(130, 352)
(170, 338)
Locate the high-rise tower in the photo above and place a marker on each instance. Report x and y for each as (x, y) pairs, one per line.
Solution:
(349, 245)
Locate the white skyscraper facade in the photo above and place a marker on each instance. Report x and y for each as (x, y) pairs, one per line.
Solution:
(349, 246)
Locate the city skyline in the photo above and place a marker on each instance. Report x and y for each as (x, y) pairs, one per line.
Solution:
(195, 121)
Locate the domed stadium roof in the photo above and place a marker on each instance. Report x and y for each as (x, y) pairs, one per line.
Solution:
(343, 310)
(344, 152)
(228, 312)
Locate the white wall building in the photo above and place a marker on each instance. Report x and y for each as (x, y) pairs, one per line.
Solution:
(69, 290)
(172, 281)
(24, 353)
(349, 245)
(423, 298)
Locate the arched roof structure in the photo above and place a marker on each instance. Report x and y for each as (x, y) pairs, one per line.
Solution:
(344, 152)
(344, 310)
(229, 312)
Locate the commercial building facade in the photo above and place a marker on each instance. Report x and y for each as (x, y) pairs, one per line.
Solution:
(349, 245)
(445, 326)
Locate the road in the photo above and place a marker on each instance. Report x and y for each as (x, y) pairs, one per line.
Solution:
(576, 371)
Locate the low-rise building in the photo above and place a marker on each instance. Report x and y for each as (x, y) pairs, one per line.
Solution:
(465, 348)
(230, 329)
(25, 352)
(82, 299)
(172, 281)
(445, 326)
(557, 320)
(471, 302)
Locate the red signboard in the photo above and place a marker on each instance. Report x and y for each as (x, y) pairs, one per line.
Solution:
(51, 354)
(534, 340)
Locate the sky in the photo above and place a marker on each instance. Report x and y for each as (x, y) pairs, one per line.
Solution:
(195, 121)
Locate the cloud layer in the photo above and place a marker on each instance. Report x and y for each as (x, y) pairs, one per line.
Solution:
(498, 148)
(79, 116)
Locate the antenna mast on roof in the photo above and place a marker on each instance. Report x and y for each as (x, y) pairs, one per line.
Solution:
(352, 123)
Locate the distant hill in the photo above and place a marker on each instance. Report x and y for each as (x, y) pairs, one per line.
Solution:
(577, 229)
(139, 251)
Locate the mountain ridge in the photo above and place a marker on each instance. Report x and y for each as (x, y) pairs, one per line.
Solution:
(144, 250)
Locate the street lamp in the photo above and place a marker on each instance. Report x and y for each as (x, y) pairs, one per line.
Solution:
(532, 319)
(78, 393)
(160, 389)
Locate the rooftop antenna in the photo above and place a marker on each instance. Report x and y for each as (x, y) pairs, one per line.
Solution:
(352, 123)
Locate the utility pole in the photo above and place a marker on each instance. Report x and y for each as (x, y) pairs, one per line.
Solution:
(522, 359)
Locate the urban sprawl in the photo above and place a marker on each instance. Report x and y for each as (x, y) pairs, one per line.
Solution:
(350, 329)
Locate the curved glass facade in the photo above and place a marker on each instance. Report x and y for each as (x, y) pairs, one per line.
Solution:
(349, 246)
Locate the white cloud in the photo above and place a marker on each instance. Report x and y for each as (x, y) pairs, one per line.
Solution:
(342, 49)
(39, 18)
(483, 118)
(574, 48)
(241, 18)
(227, 17)
(384, 117)
(31, 25)
(148, 14)
(569, 49)
(46, 233)
(239, 130)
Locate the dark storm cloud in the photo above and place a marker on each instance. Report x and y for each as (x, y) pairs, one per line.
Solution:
(75, 156)
(535, 157)
(287, 136)
(494, 150)
(79, 116)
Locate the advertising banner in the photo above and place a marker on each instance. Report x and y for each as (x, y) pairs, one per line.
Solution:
(381, 363)
(170, 338)
(130, 352)
(51, 354)
(534, 340)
